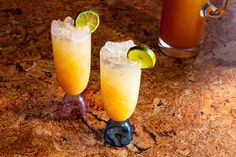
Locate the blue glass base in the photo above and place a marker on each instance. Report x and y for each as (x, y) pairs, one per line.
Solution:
(118, 134)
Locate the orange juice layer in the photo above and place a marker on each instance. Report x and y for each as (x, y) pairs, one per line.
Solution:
(181, 23)
(72, 63)
(120, 89)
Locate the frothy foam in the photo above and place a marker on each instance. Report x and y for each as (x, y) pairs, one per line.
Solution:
(66, 30)
(116, 52)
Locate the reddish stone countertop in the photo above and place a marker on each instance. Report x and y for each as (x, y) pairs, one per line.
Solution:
(186, 107)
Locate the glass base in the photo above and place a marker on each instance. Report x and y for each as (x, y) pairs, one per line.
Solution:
(73, 106)
(177, 52)
(118, 134)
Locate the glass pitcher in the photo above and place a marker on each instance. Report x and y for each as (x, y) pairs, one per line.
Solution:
(182, 25)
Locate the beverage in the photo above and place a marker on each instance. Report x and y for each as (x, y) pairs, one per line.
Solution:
(121, 64)
(182, 25)
(120, 81)
(72, 55)
(71, 43)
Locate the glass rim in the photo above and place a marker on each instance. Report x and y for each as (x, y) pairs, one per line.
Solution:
(129, 64)
(63, 37)
(75, 41)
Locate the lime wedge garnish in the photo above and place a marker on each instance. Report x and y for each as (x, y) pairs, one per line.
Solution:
(88, 18)
(145, 56)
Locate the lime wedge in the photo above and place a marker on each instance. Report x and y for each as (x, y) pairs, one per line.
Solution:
(88, 18)
(145, 56)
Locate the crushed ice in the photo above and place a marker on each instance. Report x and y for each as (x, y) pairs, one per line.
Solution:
(66, 30)
(116, 52)
(119, 48)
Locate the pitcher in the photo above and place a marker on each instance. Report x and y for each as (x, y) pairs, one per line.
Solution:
(182, 25)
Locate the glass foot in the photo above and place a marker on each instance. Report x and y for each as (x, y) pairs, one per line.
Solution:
(118, 134)
(73, 106)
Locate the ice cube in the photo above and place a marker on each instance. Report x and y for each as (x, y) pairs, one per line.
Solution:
(119, 48)
(110, 46)
(79, 33)
(68, 20)
(127, 45)
(55, 28)
(116, 52)
(66, 30)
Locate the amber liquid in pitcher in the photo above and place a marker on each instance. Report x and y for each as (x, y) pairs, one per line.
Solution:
(182, 26)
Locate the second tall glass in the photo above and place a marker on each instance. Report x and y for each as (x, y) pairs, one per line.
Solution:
(120, 81)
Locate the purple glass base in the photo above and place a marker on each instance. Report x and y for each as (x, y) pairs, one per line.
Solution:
(73, 106)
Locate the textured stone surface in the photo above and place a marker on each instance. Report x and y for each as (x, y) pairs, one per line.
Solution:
(185, 108)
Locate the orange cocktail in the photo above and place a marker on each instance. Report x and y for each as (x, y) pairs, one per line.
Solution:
(72, 61)
(120, 80)
(72, 57)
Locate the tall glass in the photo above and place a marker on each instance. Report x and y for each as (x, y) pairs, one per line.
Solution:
(72, 57)
(182, 25)
(120, 81)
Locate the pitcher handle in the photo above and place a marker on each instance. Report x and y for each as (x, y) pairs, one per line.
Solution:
(211, 11)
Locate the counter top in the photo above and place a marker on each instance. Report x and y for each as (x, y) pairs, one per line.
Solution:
(186, 107)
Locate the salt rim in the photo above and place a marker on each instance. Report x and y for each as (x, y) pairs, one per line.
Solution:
(115, 53)
(67, 31)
